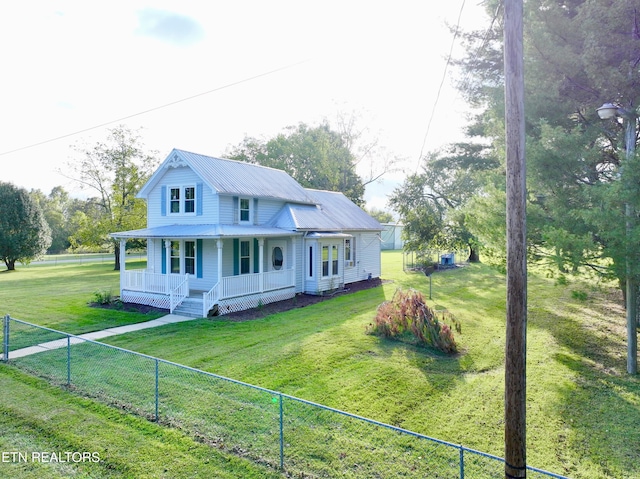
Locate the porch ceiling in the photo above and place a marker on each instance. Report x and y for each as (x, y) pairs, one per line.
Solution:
(203, 231)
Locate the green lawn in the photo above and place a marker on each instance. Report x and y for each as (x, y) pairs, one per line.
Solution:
(58, 296)
(583, 410)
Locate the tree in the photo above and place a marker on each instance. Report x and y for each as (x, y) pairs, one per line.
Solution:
(58, 208)
(380, 215)
(574, 160)
(431, 203)
(24, 233)
(579, 54)
(316, 157)
(115, 171)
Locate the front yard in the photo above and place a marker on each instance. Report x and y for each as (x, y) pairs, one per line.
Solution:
(583, 410)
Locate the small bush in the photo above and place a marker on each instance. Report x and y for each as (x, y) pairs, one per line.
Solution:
(104, 297)
(579, 295)
(408, 314)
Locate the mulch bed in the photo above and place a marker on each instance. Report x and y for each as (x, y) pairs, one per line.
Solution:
(300, 301)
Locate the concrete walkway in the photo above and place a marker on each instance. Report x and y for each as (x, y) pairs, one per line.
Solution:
(96, 335)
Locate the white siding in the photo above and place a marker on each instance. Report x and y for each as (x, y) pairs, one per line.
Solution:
(367, 257)
(181, 177)
(267, 209)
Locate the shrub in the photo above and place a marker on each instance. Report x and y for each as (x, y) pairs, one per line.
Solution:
(408, 314)
(104, 297)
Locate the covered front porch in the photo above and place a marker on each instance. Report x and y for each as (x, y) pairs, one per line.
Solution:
(239, 269)
(232, 293)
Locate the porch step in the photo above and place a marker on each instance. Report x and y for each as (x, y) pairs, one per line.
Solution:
(190, 307)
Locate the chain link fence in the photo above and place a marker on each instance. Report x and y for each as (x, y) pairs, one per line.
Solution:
(300, 437)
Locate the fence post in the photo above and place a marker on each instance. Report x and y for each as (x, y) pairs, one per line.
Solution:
(461, 462)
(281, 435)
(157, 390)
(68, 360)
(5, 338)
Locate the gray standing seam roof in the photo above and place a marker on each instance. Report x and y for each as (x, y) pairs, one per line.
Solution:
(245, 179)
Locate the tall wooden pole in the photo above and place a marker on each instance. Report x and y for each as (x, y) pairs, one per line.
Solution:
(516, 335)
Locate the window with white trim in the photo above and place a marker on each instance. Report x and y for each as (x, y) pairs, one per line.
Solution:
(174, 200)
(245, 257)
(334, 259)
(182, 200)
(190, 199)
(190, 257)
(325, 260)
(175, 257)
(244, 210)
(348, 252)
(182, 257)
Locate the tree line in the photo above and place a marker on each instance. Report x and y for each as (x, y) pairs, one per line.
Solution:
(113, 171)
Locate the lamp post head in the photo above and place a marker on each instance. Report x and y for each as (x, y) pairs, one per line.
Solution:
(607, 111)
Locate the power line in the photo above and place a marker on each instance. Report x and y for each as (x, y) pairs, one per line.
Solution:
(444, 76)
(144, 112)
(482, 46)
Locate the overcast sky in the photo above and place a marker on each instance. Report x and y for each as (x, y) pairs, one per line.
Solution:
(69, 66)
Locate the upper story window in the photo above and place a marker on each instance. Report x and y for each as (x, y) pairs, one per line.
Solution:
(190, 199)
(174, 205)
(245, 210)
(182, 199)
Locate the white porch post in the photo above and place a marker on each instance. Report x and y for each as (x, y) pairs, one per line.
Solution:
(293, 259)
(123, 260)
(167, 262)
(219, 244)
(261, 263)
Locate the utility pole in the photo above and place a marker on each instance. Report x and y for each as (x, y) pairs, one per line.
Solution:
(516, 334)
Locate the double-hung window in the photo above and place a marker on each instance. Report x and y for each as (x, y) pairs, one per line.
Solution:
(349, 252)
(245, 257)
(190, 199)
(182, 199)
(244, 210)
(182, 256)
(174, 201)
(190, 257)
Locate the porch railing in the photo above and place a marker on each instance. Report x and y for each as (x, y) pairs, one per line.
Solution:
(178, 294)
(209, 299)
(240, 285)
(176, 286)
(141, 280)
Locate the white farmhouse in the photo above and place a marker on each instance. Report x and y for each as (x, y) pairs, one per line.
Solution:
(226, 235)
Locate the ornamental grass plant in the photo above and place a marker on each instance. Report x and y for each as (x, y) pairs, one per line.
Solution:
(408, 315)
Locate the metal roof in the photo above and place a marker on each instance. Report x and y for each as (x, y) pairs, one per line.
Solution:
(202, 231)
(333, 212)
(343, 211)
(230, 177)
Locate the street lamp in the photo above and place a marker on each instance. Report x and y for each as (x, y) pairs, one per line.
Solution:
(609, 111)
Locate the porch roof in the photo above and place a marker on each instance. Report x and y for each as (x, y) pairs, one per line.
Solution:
(203, 231)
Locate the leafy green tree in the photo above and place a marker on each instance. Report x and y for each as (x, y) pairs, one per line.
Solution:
(431, 203)
(58, 208)
(380, 215)
(316, 157)
(578, 55)
(115, 171)
(24, 233)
